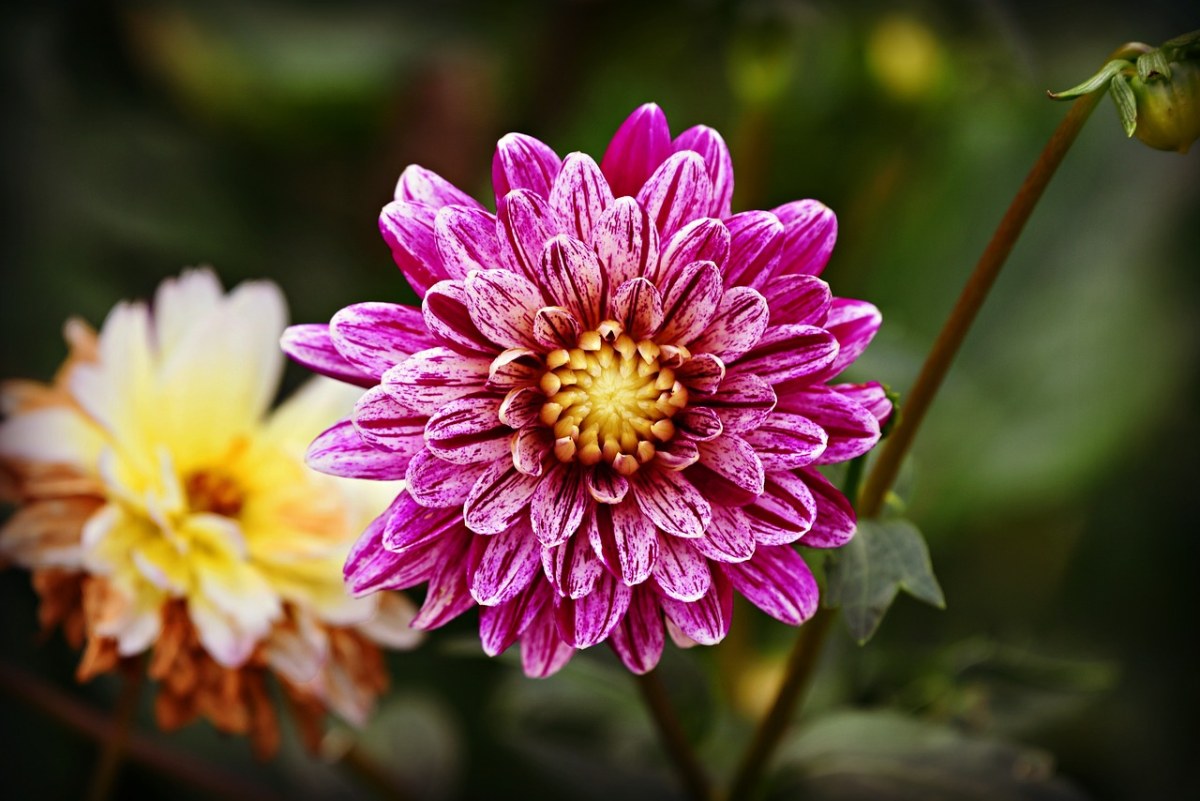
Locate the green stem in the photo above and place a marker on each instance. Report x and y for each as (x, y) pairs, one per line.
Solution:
(112, 752)
(883, 473)
(954, 331)
(801, 665)
(674, 740)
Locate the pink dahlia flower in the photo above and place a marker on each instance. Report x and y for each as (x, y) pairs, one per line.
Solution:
(610, 408)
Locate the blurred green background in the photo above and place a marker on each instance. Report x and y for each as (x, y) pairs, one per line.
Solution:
(1054, 478)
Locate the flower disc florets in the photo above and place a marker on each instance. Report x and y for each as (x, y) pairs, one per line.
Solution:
(610, 408)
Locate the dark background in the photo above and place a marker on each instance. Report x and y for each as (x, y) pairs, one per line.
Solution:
(1056, 474)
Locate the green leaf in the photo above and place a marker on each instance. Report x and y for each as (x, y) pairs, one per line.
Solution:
(1153, 63)
(1097, 81)
(1122, 95)
(886, 756)
(864, 575)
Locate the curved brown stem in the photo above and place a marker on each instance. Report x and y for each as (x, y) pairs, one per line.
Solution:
(674, 740)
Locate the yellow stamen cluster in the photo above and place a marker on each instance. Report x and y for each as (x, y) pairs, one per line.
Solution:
(612, 398)
(213, 491)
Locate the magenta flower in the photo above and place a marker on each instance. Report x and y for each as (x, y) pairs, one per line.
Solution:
(610, 407)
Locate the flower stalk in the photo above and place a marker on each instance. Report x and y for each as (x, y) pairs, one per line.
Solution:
(881, 477)
(674, 740)
(114, 747)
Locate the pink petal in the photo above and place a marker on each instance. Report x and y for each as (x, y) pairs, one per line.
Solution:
(502, 306)
(777, 581)
(585, 621)
(728, 538)
(680, 570)
(580, 196)
(384, 424)
(852, 430)
(712, 148)
(500, 625)
(677, 454)
(638, 638)
(531, 450)
(502, 565)
(706, 621)
(638, 306)
(543, 652)
(704, 239)
(699, 423)
(514, 368)
(729, 472)
(523, 226)
(691, 303)
(803, 299)
(559, 503)
(742, 402)
(671, 502)
(438, 483)
(521, 406)
(408, 230)
(702, 373)
(556, 327)
(448, 317)
(809, 230)
(787, 440)
(447, 596)
(311, 346)
(572, 567)
(678, 192)
(605, 485)
(638, 147)
(625, 540)
(570, 276)
(737, 326)
(370, 567)
(784, 512)
(872, 396)
(835, 521)
(854, 323)
(378, 336)
(499, 498)
(419, 185)
(522, 162)
(468, 431)
(426, 381)
(466, 240)
(756, 240)
(341, 451)
(626, 242)
(788, 352)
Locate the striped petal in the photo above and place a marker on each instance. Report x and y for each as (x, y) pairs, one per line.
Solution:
(737, 326)
(835, 521)
(502, 565)
(704, 239)
(756, 240)
(580, 196)
(583, 622)
(786, 440)
(854, 323)
(499, 498)
(803, 299)
(626, 242)
(571, 277)
(559, 503)
(523, 226)
(638, 147)
(712, 148)
(809, 232)
(311, 346)
(411, 525)
(468, 431)
(500, 625)
(728, 538)
(572, 567)
(691, 303)
(777, 581)
(543, 651)
(702, 373)
(707, 620)
(742, 402)
(341, 451)
(851, 429)
(678, 192)
(466, 240)
(436, 482)
(638, 306)
(784, 512)
(729, 472)
(638, 638)
(427, 380)
(502, 306)
(378, 336)
(385, 424)
(671, 502)
(556, 327)
(522, 162)
(448, 317)
(447, 595)
(408, 230)
(625, 540)
(681, 571)
(787, 352)
(426, 187)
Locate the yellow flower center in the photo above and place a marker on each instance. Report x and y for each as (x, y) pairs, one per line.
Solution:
(214, 491)
(612, 398)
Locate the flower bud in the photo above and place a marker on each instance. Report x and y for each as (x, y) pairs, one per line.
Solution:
(1168, 107)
